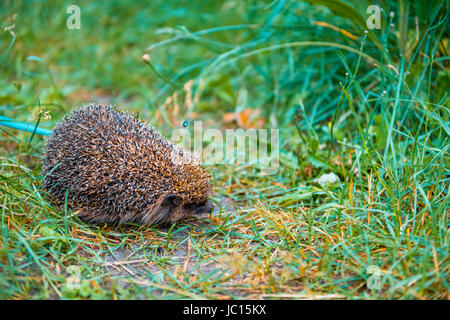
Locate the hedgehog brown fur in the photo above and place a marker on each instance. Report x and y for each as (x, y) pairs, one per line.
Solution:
(114, 168)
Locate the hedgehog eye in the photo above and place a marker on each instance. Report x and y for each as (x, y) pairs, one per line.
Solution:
(195, 205)
(190, 206)
(171, 200)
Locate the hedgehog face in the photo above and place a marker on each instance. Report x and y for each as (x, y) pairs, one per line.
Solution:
(174, 208)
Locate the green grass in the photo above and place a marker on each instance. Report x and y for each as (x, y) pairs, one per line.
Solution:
(372, 108)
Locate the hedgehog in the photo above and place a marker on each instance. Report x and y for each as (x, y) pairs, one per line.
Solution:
(113, 168)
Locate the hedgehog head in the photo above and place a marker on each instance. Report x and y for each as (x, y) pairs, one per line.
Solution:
(187, 196)
(175, 207)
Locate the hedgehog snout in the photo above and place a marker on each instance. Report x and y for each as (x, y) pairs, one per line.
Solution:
(205, 208)
(173, 209)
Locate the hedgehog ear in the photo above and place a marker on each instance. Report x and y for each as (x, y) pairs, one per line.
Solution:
(171, 200)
